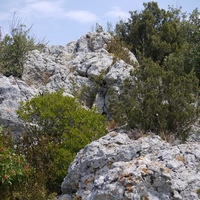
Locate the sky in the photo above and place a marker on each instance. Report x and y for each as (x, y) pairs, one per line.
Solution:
(64, 21)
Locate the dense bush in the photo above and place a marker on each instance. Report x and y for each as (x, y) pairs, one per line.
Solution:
(59, 128)
(156, 33)
(153, 32)
(17, 177)
(159, 99)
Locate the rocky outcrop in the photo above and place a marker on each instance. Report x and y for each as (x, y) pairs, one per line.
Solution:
(119, 167)
(77, 65)
(72, 67)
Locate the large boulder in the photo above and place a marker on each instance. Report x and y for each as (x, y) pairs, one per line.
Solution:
(118, 167)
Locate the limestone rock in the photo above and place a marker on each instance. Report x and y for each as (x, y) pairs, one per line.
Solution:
(78, 65)
(117, 167)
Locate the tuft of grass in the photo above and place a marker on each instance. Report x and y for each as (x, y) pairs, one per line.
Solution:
(198, 192)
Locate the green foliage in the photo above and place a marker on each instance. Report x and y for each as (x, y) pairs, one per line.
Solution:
(159, 99)
(59, 128)
(109, 28)
(13, 167)
(87, 93)
(153, 33)
(163, 93)
(14, 48)
(156, 33)
(98, 28)
(192, 52)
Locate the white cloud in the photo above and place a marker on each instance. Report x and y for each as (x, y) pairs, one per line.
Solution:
(81, 16)
(56, 10)
(116, 12)
(46, 7)
(31, 1)
(43, 8)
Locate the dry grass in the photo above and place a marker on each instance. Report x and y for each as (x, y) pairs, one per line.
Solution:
(111, 124)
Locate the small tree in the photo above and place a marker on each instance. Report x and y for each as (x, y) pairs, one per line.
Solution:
(15, 47)
(60, 128)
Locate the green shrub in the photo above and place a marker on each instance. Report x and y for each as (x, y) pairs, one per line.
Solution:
(119, 50)
(87, 93)
(153, 32)
(163, 93)
(156, 33)
(60, 128)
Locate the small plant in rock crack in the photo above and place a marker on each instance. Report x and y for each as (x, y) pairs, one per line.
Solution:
(198, 192)
(119, 50)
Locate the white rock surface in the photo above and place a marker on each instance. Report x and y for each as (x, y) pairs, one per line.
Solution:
(12, 91)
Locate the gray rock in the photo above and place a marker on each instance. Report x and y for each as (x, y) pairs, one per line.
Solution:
(12, 91)
(194, 135)
(118, 72)
(118, 167)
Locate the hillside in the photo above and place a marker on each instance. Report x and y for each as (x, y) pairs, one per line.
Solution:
(123, 164)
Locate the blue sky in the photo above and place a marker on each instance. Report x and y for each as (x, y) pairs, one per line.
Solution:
(63, 21)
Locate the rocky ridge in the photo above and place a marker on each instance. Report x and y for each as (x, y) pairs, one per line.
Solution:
(70, 67)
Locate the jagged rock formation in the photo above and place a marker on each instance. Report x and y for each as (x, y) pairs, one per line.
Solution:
(78, 64)
(118, 167)
(71, 67)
